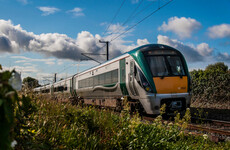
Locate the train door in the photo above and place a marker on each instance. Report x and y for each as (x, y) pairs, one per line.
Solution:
(123, 77)
(131, 81)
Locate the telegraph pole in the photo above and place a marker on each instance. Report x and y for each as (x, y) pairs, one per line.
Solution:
(107, 50)
(55, 77)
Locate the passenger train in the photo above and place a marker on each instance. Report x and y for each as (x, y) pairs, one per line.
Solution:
(149, 76)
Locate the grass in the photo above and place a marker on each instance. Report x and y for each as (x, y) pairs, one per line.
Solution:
(55, 125)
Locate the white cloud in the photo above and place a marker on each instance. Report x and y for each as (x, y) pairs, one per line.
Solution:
(16, 40)
(219, 31)
(48, 10)
(13, 39)
(77, 12)
(191, 53)
(183, 27)
(204, 49)
(141, 42)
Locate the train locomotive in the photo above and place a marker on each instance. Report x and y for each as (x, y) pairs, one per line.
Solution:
(149, 76)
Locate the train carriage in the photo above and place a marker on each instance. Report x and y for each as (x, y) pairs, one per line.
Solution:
(150, 76)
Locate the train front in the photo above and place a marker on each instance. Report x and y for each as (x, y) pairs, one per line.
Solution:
(164, 77)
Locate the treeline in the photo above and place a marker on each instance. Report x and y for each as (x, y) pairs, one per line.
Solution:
(212, 84)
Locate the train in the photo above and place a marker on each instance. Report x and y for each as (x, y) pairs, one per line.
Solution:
(147, 77)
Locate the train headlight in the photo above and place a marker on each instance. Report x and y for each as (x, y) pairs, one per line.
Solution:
(144, 82)
(147, 89)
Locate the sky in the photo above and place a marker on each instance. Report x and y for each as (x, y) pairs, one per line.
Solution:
(41, 37)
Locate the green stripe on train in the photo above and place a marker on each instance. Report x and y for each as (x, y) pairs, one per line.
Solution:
(123, 77)
(140, 59)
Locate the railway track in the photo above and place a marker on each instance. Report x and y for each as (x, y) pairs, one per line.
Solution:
(217, 130)
(212, 121)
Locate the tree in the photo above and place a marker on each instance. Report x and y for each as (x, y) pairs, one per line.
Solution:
(219, 66)
(30, 82)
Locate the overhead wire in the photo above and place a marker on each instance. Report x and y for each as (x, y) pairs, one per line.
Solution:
(114, 16)
(131, 16)
(141, 20)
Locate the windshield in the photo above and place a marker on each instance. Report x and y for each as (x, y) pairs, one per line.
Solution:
(165, 66)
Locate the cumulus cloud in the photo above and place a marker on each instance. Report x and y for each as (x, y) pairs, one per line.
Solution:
(191, 53)
(77, 12)
(223, 57)
(183, 27)
(48, 10)
(13, 39)
(219, 31)
(141, 42)
(204, 49)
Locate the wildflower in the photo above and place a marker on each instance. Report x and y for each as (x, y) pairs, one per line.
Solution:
(13, 144)
(181, 133)
(170, 124)
(205, 136)
(177, 124)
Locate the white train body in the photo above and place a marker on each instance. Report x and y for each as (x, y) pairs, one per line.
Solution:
(136, 75)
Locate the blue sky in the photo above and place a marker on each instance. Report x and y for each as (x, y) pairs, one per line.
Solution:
(42, 37)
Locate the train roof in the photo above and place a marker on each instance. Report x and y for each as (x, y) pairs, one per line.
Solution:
(143, 48)
(140, 48)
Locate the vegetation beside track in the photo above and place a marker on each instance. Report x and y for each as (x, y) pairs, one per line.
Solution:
(29, 122)
(210, 87)
(63, 126)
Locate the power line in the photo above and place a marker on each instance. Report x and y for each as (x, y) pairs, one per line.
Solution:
(114, 17)
(129, 18)
(142, 20)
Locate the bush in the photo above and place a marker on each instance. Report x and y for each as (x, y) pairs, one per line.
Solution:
(63, 126)
(212, 84)
(15, 113)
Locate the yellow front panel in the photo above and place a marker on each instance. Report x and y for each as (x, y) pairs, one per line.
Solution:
(171, 84)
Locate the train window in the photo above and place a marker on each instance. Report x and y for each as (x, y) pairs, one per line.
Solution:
(161, 66)
(65, 87)
(95, 80)
(157, 65)
(105, 78)
(79, 84)
(91, 81)
(86, 82)
(136, 74)
(115, 76)
(176, 65)
(108, 78)
(101, 79)
(83, 83)
(61, 88)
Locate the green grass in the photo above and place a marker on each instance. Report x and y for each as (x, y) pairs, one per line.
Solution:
(63, 126)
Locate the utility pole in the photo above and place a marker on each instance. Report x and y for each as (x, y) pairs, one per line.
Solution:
(55, 77)
(107, 50)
